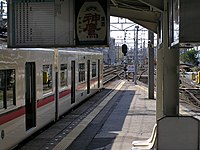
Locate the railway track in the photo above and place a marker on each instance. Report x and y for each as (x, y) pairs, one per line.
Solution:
(111, 72)
(186, 83)
(189, 93)
(192, 96)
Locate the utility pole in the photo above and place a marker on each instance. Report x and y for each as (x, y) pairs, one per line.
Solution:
(118, 54)
(136, 53)
(151, 66)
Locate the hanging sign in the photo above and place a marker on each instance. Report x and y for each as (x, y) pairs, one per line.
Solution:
(92, 22)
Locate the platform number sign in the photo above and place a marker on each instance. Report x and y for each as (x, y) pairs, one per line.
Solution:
(92, 22)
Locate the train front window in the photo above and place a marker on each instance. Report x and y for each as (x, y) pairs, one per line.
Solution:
(63, 76)
(94, 69)
(81, 72)
(47, 79)
(7, 88)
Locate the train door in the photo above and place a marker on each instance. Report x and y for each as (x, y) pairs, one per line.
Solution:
(30, 97)
(56, 97)
(98, 73)
(73, 82)
(88, 77)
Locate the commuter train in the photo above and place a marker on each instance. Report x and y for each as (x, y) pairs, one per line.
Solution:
(37, 86)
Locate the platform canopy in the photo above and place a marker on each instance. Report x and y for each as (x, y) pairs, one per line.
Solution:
(143, 12)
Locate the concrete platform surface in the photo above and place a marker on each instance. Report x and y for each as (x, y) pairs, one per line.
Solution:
(129, 116)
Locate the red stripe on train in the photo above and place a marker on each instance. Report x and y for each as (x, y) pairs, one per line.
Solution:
(21, 111)
(12, 115)
(94, 80)
(81, 86)
(64, 93)
(45, 101)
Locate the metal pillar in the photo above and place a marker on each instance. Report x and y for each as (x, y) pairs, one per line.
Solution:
(136, 54)
(151, 65)
(167, 75)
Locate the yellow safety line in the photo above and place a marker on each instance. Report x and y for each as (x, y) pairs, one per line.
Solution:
(145, 89)
(65, 142)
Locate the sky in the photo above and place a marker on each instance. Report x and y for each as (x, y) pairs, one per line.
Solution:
(123, 30)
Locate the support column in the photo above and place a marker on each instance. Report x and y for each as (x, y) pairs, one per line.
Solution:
(151, 66)
(171, 82)
(159, 83)
(167, 75)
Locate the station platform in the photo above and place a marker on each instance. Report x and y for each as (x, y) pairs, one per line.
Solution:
(121, 114)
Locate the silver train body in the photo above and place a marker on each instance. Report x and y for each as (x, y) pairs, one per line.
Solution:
(37, 86)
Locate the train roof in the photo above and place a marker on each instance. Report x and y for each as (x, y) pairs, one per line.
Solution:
(70, 50)
(3, 46)
(79, 50)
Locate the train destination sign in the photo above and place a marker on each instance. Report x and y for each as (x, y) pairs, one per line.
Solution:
(91, 22)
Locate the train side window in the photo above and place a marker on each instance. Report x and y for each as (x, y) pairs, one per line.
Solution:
(94, 69)
(7, 88)
(47, 79)
(81, 72)
(63, 75)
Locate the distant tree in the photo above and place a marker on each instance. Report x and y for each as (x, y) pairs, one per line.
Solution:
(190, 57)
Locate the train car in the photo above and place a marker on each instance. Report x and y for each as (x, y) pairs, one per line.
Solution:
(37, 86)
